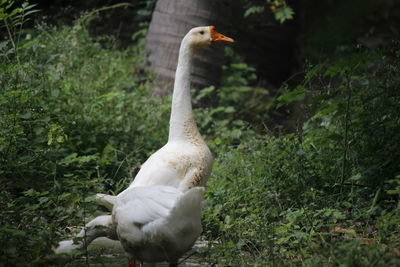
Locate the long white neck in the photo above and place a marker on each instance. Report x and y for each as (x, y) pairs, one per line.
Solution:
(182, 125)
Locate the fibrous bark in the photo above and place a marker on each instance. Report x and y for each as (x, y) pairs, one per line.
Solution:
(171, 20)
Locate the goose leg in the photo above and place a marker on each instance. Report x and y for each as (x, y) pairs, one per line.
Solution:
(131, 263)
(99, 226)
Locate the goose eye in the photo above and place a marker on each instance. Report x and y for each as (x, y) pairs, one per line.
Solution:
(201, 32)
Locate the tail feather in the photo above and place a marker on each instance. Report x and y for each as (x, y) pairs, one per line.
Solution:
(107, 201)
(189, 205)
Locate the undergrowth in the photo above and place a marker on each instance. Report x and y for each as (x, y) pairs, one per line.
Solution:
(75, 116)
(325, 195)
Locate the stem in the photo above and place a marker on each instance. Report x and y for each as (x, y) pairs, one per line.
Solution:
(20, 26)
(91, 13)
(12, 40)
(85, 229)
(12, 137)
(346, 130)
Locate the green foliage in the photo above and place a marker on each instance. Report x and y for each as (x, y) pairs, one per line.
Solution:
(360, 113)
(282, 12)
(145, 11)
(327, 195)
(12, 19)
(75, 115)
(236, 108)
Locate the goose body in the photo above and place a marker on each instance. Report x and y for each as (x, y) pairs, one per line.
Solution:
(179, 164)
(155, 223)
(165, 223)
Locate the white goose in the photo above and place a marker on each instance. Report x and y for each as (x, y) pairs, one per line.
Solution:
(185, 161)
(158, 217)
(153, 224)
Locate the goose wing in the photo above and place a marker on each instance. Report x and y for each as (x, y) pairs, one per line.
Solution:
(142, 205)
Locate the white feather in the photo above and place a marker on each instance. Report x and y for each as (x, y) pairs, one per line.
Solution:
(158, 223)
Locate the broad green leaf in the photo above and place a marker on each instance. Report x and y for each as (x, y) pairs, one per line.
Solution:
(4, 43)
(253, 10)
(284, 13)
(26, 115)
(217, 141)
(297, 94)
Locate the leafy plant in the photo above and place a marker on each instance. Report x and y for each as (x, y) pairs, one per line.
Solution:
(318, 196)
(75, 116)
(282, 12)
(13, 19)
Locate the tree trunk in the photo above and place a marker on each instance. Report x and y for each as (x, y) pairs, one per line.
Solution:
(171, 20)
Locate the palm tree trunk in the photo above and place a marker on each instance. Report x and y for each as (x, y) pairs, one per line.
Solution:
(171, 20)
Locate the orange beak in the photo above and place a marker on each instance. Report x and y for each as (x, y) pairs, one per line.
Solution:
(217, 37)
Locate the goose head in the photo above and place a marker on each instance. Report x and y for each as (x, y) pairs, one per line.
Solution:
(200, 37)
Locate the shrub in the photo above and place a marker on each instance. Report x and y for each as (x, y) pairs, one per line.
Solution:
(315, 197)
(75, 116)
